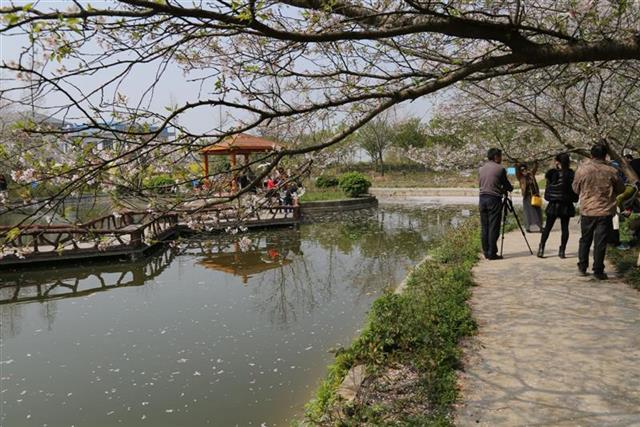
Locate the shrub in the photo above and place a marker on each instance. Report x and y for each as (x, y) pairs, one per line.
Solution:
(326, 181)
(159, 181)
(354, 184)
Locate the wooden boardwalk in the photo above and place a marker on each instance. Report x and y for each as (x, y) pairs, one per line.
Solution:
(129, 234)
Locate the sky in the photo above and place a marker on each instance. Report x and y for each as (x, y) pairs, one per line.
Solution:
(173, 88)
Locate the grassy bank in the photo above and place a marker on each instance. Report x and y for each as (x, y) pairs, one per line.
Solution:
(412, 337)
(625, 260)
(406, 175)
(428, 179)
(322, 195)
(625, 263)
(412, 178)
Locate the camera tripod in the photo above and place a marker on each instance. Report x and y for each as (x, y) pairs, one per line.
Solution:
(507, 206)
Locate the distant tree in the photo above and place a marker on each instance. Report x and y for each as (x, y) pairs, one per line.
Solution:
(410, 133)
(460, 142)
(376, 137)
(339, 154)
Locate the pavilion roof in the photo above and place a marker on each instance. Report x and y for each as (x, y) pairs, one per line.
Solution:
(241, 143)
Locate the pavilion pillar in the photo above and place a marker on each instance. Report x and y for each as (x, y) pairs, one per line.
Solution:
(206, 166)
(234, 163)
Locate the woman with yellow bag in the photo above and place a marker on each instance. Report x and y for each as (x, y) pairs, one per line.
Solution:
(531, 200)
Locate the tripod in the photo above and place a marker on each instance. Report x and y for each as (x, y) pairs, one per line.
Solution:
(507, 206)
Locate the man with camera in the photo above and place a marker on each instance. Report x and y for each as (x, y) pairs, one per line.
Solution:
(493, 186)
(597, 184)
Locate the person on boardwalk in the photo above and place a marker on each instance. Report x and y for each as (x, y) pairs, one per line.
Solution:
(561, 197)
(597, 184)
(3, 189)
(529, 189)
(493, 185)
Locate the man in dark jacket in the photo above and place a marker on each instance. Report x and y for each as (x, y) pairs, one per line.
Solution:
(493, 185)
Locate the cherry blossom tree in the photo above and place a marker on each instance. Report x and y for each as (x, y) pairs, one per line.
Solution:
(275, 63)
(573, 106)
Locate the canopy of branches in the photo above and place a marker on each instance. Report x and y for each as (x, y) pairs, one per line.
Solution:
(299, 66)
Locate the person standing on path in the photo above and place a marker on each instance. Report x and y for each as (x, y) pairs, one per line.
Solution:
(493, 185)
(597, 184)
(529, 188)
(561, 198)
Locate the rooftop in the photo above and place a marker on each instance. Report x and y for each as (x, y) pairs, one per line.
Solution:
(241, 143)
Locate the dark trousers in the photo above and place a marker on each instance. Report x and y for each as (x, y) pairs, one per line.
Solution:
(490, 216)
(564, 227)
(595, 229)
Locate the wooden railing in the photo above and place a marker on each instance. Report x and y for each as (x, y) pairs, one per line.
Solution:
(228, 215)
(128, 232)
(116, 232)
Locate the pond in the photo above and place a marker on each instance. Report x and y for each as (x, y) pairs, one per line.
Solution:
(64, 211)
(223, 330)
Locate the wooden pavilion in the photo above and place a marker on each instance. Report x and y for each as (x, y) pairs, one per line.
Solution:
(241, 144)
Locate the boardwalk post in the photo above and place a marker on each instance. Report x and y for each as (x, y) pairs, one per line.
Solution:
(136, 242)
(136, 238)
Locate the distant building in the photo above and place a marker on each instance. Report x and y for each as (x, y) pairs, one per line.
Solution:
(10, 118)
(103, 139)
(109, 139)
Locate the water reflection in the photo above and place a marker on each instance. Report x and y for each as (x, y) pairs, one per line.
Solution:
(77, 280)
(224, 331)
(250, 256)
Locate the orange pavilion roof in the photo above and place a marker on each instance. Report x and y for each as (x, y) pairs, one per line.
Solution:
(241, 143)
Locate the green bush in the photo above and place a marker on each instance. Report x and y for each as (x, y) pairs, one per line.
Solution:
(354, 184)
(159, 181)
(326, 181)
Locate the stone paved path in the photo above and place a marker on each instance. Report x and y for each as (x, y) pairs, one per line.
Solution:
(553, 349)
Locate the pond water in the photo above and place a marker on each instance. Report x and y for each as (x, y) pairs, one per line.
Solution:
(64, 211)
(222, 331)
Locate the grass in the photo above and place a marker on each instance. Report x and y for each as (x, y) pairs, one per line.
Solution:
(317, 195)
(625, 262)
(396, 179)
(414, 176)
(408, 175)
(420, 328)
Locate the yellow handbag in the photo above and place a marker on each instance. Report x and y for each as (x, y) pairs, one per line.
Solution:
(536, 201)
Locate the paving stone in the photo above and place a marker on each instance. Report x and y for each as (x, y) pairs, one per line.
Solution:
(553, 348)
